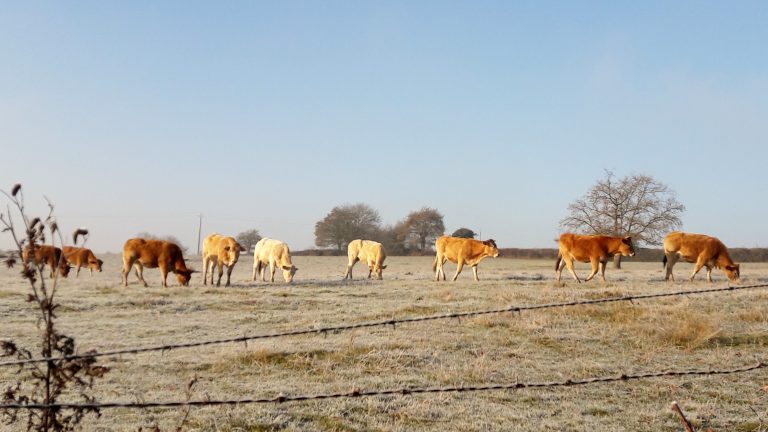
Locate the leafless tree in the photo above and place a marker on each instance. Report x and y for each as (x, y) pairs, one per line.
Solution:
(637, 205)
(248, 239)
(346, 223)
(423, 226)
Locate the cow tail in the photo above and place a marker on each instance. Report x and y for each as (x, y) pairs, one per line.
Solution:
(434, 264)
(664, 261)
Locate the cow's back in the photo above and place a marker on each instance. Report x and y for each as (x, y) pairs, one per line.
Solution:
(690, 246)
(267, 249)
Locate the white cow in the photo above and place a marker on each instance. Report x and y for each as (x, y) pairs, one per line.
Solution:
(369, 251)
(275, 253)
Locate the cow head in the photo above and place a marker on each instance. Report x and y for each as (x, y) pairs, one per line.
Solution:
(64, 269)
(231, 254)
(376, 269)
(95, 264)
(732, 271)
(490, 248)
(288, 272)
(183, 276)
(626, 248)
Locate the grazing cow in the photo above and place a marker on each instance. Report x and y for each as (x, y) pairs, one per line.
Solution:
(47, 254)
(701, 249)
(82, 257)
(461, 251)
(275, 253)
(369, 251)
(141, 253)
(594, 249)
(220, 251)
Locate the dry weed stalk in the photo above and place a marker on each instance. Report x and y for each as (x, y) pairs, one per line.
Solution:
(44, 384)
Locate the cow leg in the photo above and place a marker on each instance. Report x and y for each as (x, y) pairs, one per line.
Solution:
(272, 270)
(442, 268)
(90, 271)
(351, 264)
(671, 260)
(709, 274)
(140, 272)
(602, 269)
(569, 263)
(696, 268)
(229, 273)
(221, 273)
(205, 270)
(164, 276)
(77, 273)
(474, 272)
(127, 264)
(459, 266)
(370, 270)
(595, 265)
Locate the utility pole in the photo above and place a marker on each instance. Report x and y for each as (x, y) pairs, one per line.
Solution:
(199, 231)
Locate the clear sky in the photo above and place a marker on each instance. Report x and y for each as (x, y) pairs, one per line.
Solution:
(139, 115)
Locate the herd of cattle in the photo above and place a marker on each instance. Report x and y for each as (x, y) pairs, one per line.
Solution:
(222, 251)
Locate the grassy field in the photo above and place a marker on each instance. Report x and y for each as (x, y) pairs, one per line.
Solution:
(692, 332)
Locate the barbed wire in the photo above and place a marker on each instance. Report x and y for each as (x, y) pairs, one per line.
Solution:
(381, 323)
(281, 397)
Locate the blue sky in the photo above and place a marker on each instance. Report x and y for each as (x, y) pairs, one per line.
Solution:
(138, 116)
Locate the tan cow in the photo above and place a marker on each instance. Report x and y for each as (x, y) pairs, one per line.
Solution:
(701, 249)
(369, 251)
(151, 253)
(82, 257)
(220, 251)
(461, 251)
(276, 254)
(594, 249)
(47, 254)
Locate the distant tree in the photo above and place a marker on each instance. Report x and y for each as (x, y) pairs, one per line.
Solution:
(423, 226)
(346, 223)
(464, 233)
(392, 238)
(168, 238)
(248, 239)
(637, 205)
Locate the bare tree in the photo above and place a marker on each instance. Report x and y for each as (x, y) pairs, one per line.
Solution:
(248, 238)
(346, 223)
(637, 205)
(423, 226)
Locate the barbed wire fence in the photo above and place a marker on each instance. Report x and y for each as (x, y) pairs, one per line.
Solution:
(381, 323)
(356, 393)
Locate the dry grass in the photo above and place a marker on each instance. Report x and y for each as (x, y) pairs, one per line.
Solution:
(708, 331)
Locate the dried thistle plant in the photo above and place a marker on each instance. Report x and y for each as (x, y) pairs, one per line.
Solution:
(43, 382)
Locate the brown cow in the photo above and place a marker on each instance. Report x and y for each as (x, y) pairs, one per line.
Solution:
(276, 254)
(82, 257)
(220, 251)
(701, 249)
(461, 251)
(594, 249)
(47, 254)
(141, 253)
(369, 251)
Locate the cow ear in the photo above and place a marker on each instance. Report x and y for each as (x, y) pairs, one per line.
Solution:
(383, 267)
(286, 268)
(628, 239)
